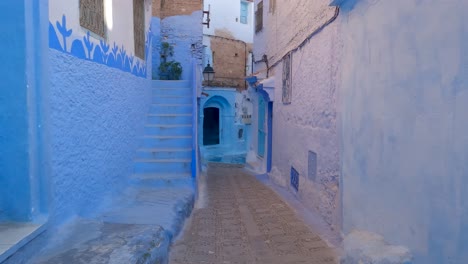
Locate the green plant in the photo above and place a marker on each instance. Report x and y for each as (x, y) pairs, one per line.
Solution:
(169, 70)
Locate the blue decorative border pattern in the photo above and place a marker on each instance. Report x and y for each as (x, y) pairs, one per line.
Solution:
(102, 53)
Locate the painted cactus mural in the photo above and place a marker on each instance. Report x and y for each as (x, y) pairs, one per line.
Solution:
(102, 53)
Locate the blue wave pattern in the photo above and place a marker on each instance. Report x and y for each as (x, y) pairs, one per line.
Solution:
(102, 53)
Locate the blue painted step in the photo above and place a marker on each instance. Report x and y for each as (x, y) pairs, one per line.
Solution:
(170, 84)
(172, 92)
(171, 109)
(172, 100)
(169, 119)
(168, 153)
(168, 130)
(163, 179)
(162, 166)
(166, 142)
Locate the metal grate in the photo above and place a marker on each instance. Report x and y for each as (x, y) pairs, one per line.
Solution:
(294, 178)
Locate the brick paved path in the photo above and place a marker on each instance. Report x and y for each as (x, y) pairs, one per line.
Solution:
(246, 222)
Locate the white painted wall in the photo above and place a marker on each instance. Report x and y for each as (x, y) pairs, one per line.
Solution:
(223, 15)
(309, 123)
(119, 20)
(405, 146)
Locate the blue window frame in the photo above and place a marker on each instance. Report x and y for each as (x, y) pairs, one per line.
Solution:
(244, 12)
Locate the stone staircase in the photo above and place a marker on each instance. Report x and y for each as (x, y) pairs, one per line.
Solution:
(165, 153)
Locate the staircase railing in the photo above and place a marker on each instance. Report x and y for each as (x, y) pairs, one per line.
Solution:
(196, 91)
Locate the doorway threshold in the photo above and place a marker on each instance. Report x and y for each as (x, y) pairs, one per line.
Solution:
(14, 235)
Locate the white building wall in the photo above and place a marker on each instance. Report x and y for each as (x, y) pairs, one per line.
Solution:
(309, 122)
(225, 16)
(118, 18)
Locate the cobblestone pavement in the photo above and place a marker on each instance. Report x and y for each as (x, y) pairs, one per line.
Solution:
(246, 222)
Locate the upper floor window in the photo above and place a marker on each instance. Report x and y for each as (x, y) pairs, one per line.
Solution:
(259, 17)
(244, 12)
(92, 16)
(139, 27)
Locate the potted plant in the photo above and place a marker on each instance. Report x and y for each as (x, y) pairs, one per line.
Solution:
(169, 70)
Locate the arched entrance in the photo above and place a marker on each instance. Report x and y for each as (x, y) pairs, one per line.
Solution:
(211, 126)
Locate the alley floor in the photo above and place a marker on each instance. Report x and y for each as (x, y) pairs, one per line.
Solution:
(243, 221)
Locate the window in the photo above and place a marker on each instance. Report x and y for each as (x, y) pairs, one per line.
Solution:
(244, 12)
(259, 17)
(92, 16)
(139, 27)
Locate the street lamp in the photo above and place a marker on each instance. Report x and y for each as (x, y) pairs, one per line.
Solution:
(208, 73)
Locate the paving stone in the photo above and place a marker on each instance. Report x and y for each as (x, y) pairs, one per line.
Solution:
(246, 222)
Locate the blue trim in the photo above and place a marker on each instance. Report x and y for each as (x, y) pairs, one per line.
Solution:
(100, 53)
(194, 119)
(252, 80)
(270, 135)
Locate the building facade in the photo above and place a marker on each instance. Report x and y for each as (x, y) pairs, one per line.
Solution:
(177, 23)
(295, 129)
(77, 95)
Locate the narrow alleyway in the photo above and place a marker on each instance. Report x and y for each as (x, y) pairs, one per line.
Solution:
(244, 221)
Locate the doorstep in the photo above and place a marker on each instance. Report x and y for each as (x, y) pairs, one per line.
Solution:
(14, 235)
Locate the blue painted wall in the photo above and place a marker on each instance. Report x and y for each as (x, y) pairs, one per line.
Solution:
(14, 140)
(181, 32)
(404, 149)
(97, 114)
(155, 46)
(22, 165)
(225, 99)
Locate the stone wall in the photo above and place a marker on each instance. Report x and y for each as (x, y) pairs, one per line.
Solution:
(179, 7)
(229, 60)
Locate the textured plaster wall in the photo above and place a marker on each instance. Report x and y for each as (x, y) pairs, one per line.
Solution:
(182, 32)
(97, 113)
(309, 123)
(155, 46)
(286, 25)
(404, 132)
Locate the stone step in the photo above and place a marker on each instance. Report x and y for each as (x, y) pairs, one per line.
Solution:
(172, 92)
(169, 119)
(164, 153)
(162, 166)
(150, 142)
(163, 179)
(158, 99)
(168, 130)
(171, 109)
(170, 84)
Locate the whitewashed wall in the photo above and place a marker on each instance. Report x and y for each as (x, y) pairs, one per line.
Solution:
(118, 17)
(223, 16)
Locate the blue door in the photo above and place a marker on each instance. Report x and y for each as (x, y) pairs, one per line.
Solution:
(261, 126)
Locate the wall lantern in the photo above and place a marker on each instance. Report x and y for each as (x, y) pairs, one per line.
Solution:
(208, 73)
